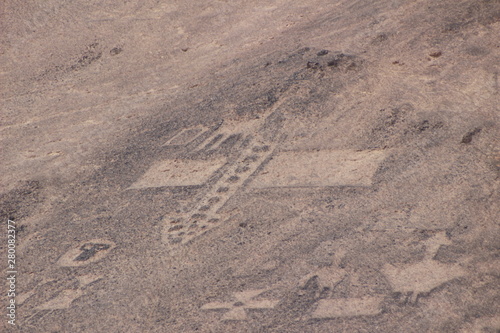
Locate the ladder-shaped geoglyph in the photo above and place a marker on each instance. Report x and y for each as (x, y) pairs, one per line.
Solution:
(204, 214)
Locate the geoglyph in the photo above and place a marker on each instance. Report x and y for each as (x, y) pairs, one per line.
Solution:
(244, 301)
(426, 275)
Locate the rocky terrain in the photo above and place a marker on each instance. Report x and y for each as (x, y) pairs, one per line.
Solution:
(251, 166)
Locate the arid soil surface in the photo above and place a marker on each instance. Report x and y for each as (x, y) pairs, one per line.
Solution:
(251, 166)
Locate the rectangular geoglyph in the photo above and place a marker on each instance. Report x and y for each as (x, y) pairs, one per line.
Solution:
(320, 168)
(178, 172)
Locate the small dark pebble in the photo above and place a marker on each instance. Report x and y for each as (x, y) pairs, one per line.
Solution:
(313, 65)
(258, 149)
(251, 158)
(176, 240)
(468, 137)
(115, 51)
(233, 179)
(242, 169)
(176, 227)
(303, 50)
(213, 200)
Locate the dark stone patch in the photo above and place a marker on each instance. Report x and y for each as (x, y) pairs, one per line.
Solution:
(175, 228)
(467, 138)
(251, 158)
(88, 57)
(303, 50)
(450, 254)
(175, 221)
(233, 179)
(425, 125)
(322, 53)
(230, 142)
(116, 50)
(337, 61)
(380, 38)
(314, 65)
(213, 200)
(272, 126)
(485, 12)
(242, 169)
(214, 141)
(393, 117)
(297, 303)
(89, 250)
(456, 26)
(175, 240)
(260, 149)
(260, 102)
(18, 203)
(476, 51)
(294, 55)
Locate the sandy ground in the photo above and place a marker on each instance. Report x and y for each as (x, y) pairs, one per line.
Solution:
(251, 166)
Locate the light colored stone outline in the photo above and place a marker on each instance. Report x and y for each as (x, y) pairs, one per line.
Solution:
(321, 168)
(244, 300)
(423, 277)
(480, 324)
(178, 172)
(201, 130)
(348, 307)
(61, 301)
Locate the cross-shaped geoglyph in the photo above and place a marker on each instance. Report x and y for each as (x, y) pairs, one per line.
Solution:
(222, 178)
(243, 301)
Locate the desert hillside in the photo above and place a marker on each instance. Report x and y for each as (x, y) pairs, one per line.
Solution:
(250, 166)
